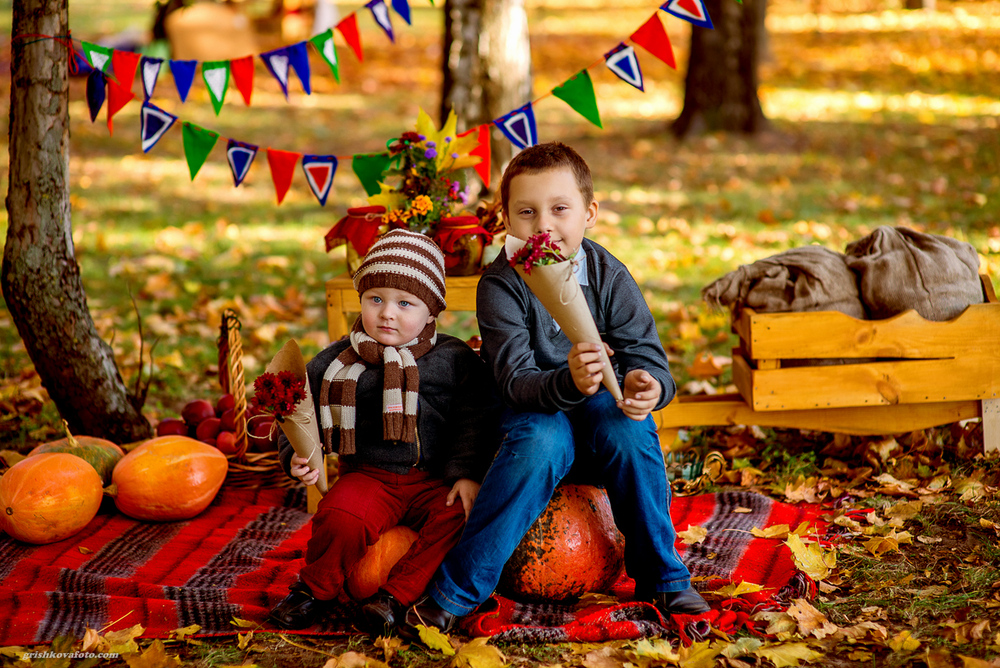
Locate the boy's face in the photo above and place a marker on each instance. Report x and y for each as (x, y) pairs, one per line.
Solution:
(393, 317)
(549, 201)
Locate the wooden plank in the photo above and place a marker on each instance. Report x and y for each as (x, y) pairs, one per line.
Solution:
(730, 409)
(991, 425)
(831, 334)
(877, 383)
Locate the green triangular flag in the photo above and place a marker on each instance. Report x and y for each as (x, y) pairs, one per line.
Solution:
(216, 76)
(369, 168)
(198, 143)
(326, 48)
(98, 56)
(578, 92)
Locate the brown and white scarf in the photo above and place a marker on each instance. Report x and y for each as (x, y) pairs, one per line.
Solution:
(338, 394)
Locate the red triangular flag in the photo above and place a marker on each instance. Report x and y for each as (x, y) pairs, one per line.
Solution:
(652, 37)
(349, 29)
(483, 151)
(241, 70)
(282, 165)
(124, 64)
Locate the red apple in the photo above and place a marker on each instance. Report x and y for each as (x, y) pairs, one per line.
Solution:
(226, 442)
(208, 428)
(261, 437)
(228, 420)
(196, 411)
(226, 402)
(171, 427)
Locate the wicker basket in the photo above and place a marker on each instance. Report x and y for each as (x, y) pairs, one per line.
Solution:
(246, 469)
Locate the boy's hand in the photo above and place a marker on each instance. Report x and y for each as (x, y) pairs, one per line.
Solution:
(585, 366)
(641, 392)
(300, 469)
(466, 490)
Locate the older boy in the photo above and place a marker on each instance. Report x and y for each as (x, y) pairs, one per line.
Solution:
(412, 413)
(557, 414)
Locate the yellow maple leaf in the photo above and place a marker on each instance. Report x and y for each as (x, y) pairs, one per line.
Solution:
(903, 641)
(155, 656)
(434, 639)
(182, 634)
(693, 534)
(358, 660)
(879, 545)
(389, 646)
(656, 651)
(742, 647)
(734, 590)
(454, 144)
(811, 621)
(698, 655)
(776, 531)
(789, 654)
(811, 559)
(477, 654)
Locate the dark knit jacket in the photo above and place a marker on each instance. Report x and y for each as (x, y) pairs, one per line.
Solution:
(457, 414)
(527, 352)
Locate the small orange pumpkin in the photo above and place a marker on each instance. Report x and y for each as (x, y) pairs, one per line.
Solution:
(372, 571)
(168, 478)
(102, 454)
(49, 497)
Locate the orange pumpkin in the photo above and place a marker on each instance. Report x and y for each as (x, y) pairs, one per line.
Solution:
(372, 571)
(49, 497)
(102, 454)
(572, 548)
(168, 478)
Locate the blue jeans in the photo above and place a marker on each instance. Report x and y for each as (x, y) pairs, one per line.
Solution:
(604, 447)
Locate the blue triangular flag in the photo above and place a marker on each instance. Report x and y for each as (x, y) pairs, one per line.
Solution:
(240, 156)
(690, 10)
(183, 73)
(155, 123)
(622, 61)
(381, 14)
(149, 70)
(298, 58)
(277, 62)
(402, 7)
(82, 66)
(519, 126)
(96, 84)
(319, 171)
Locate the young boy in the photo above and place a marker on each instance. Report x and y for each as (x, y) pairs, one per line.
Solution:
(557, 415)
(412, 414)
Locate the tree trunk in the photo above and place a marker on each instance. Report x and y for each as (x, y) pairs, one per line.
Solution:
(720, 89)
(40, 277)
(487, 66)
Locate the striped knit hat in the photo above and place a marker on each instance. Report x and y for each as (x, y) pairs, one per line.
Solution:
(406, 261)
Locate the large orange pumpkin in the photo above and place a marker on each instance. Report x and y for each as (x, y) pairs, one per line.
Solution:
(168, 478)
(573, 548)
(372, 571)
(48, 497)
(102, 454)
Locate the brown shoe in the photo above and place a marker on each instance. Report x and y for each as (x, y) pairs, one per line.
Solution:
(686, 602)
(299, 610)
(427, 612)
(380, 613)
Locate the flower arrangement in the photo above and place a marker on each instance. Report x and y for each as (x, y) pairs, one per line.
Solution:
(425, 181)
(539, 249)
(278, 394)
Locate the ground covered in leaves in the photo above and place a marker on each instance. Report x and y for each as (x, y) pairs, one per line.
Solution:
(879, 117)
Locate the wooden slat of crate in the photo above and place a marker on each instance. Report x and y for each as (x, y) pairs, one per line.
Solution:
(871, 383)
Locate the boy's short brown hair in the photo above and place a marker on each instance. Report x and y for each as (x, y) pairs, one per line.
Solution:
(543, 157)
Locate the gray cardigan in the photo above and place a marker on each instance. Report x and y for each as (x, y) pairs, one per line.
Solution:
(527, 352)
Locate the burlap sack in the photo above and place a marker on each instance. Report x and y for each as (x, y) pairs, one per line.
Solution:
(900, 269)
(811, 278)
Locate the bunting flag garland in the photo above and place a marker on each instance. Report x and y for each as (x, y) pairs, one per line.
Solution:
(298, 58)
(240, 156)
(95, 92)
(319, 171)
(625, 64)
(149, 70)
(98, 57)
(216, 76)
(120, 89)
(198, 143)
(277, 64)
(82, 66)
(241, 69)
(328, 50)
(155, 123)
(690, 10)
(578, 92)
(282, 165)
(348, 28)
(381, 15)
(652, 37)
(402, 7)
(519, 126)
(483, 151)
(368, 167)
(183, 73)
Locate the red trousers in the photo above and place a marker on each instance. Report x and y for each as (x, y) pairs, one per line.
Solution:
(361, 505)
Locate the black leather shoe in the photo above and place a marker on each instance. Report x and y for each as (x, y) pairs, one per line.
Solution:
(426, 611)
(299, 610)
(380, 613)
(686, 602)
